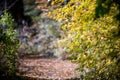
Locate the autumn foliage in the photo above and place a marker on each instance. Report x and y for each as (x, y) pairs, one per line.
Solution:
(93, 42)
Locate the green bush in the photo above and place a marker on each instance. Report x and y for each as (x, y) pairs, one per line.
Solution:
(8, 45)
(94, 43)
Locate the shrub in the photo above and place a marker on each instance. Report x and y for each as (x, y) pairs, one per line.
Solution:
(94, 43)
(8, 45)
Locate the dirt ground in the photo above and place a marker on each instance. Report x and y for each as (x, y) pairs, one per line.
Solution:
(47, 68)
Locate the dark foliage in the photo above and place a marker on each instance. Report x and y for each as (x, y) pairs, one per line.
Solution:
(16, 8)
(104, 6)
(8, 46)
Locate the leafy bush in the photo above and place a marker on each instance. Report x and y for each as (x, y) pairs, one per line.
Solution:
(94, 43)
(8, 45)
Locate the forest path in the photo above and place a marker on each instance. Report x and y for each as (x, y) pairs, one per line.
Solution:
(36, 67)
(47, 69)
